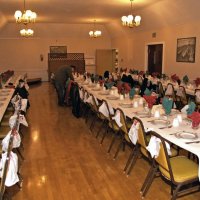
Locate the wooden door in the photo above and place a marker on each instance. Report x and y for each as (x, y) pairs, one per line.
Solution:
(155, 58)
(105, 60)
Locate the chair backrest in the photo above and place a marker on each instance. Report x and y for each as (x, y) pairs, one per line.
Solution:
(142, 140)
(160, 89)
(171, 93)
(124, 127)
(197, 96)
(182, 94)
(163, 158)
(95, 103)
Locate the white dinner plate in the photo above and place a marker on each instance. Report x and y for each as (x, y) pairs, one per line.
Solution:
(126, 105)
(96, 89)
(186, 135)
(160, 122)
(112, 98)
(142, 114)
(104, 93)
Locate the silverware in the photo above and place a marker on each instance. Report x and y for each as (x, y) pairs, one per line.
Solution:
(175, 133)
(192, 142)
(166, 127)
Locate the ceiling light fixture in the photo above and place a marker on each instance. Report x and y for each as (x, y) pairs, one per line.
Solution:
(26, 32)
(26, 17)
(131, 21)
(95, 33)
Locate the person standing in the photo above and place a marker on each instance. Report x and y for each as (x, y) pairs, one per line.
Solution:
(61, 76)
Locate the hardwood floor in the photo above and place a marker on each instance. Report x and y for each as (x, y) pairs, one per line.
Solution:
(64, 161)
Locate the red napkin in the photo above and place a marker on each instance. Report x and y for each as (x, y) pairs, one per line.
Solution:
(119, 87)
(101, 82)
(151, 100)
(195, 117)
(127, 88)
(175, 78)
(197, 82)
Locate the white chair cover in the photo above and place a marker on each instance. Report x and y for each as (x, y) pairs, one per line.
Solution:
(133, 132)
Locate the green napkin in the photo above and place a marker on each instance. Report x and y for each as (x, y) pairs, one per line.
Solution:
(132, 93)
(191, 108)
(167, 105)
(147, 92)
(185, 79)
(109, 85)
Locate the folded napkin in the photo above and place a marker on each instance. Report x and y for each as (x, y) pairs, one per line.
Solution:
(12, 173)
(117, 118)
(169, 90)
(195, 117)
(191, 108)
(175, 78)
(184, 109)
(167, 105)
(185, 79)
(154, 147)
(147, 92)
(132, 93)
(197, 82)
(104, 110)
(127, 88)
(109, 85)
(133, 132)
(150, 100)
(16, 140)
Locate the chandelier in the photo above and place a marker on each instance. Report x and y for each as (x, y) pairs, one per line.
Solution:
(95, 33)
(26, 32)
(25, 17)
(130, 20)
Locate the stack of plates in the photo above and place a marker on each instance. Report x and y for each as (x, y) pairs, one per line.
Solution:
(163, 122)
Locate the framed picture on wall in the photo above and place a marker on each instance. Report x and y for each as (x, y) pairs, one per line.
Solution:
(58, 51)
(185, 51)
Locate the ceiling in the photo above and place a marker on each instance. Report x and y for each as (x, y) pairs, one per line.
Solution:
(74, 11)
(154, 13)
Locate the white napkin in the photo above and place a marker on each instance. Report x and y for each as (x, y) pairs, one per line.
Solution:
(184, 109)
(169, 90)
(24, 104)
(197, 94)
(154, 147)
(81, 94)
(22, 120)
(11, 177)
(103, 109)
(89, 100)
(117, 118)
(180, 92)
(16, 140)
(133, 132)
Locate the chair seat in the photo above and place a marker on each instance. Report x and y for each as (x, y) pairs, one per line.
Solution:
(183, 169)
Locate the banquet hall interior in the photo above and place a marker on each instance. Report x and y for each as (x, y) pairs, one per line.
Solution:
(125, 122)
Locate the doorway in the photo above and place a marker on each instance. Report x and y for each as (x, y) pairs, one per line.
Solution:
(155, 58)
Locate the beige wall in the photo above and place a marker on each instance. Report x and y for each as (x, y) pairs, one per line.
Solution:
(23, 54)
(133, 49)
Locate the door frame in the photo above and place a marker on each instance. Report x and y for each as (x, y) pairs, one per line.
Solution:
(146, 55)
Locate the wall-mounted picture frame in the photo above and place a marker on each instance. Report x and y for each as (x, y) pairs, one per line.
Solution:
(185, 51)
(58, 51)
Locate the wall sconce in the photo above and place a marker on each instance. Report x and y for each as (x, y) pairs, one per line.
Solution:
(41, 57)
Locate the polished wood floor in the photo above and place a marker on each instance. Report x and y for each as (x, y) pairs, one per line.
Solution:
(64, 161)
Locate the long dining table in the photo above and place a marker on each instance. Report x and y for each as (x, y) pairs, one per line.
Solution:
(184, 136)
(6, 94)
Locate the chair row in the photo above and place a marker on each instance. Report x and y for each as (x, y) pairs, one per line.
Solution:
(178, 170)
